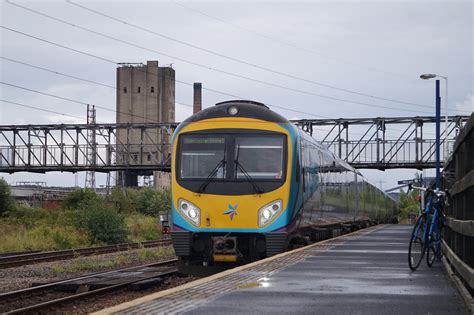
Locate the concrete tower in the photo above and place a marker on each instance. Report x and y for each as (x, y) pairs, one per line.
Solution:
(145, 94)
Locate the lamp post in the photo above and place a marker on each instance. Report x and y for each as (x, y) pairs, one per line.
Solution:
(438, 119)
(428, 76)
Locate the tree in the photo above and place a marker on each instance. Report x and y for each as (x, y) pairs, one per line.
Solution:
(6, 199)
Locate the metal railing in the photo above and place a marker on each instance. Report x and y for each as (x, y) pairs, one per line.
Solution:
(366, 142)
(146, 147)
(44, 148)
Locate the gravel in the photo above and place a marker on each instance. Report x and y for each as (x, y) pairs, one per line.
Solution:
(25, 276)
(107, 300)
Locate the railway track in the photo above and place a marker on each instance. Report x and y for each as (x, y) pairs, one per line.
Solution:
(19, 253)
(54, 294)
(20, 259)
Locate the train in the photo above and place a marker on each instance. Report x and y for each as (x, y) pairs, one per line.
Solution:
(246, 184)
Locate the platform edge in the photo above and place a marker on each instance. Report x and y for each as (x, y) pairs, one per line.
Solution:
(153, 296)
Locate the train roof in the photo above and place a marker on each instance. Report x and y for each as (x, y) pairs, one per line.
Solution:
(241, 108)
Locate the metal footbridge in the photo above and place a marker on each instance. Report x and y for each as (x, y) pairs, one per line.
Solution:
(362, 142)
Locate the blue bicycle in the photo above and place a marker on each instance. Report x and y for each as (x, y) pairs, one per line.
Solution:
(426, 235)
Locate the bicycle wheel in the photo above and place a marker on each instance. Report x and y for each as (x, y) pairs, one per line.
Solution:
(417, 248)
(434, 249)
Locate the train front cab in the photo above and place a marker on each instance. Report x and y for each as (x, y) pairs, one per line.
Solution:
(231, 190)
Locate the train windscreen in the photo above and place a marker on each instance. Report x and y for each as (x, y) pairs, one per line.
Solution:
(260, 156)
(201, 155)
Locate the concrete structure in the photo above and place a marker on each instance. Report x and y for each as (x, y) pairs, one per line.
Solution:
(197, 99)
(37, 194)
(145, 94)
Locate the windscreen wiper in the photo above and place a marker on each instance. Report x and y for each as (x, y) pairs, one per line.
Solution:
(211, 175)
(255, 186)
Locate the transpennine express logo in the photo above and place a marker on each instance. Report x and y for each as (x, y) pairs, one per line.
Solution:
(232, 211)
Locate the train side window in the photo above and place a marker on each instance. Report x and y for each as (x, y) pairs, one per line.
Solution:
(298, 171)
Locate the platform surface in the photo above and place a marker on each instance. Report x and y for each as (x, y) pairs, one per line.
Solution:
(362, 273)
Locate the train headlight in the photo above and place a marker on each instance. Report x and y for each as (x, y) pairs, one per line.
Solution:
(190, 211)
(267, 213)
(233, 110)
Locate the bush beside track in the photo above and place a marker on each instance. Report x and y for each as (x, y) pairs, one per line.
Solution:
(84, 219)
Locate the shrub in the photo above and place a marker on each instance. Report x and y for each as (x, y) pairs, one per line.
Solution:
(408, 203)
(151, 201)
(29, 216)
(102, 223)
(122, 199)
(6, 200)
(142, 228)
(81, 198)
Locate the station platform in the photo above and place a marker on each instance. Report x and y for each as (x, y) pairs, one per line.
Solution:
(365, 272)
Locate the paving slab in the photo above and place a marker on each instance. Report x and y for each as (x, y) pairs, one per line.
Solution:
(363, 273)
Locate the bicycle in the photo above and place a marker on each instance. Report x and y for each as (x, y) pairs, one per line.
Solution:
(426, 235)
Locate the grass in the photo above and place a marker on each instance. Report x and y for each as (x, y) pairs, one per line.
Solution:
(39, 229)
(99, 262)
(84, 219)
(142, 227)
(18, 237)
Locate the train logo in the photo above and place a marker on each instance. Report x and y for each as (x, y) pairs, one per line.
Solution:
(232, 211)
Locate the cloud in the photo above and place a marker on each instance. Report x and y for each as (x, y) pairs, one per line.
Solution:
(182, 112)
(467, 104)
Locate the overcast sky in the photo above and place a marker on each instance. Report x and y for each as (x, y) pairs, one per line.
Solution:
(376, 48)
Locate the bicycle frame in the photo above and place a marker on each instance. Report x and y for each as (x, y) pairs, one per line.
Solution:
(427, 239)
(426, 235)
(426, 212)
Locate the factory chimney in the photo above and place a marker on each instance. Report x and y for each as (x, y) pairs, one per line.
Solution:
(197, 103)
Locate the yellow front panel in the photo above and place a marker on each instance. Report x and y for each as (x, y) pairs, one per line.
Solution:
(224, 258)
(213, 207)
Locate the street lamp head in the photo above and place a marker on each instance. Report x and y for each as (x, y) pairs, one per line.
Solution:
(427, 76)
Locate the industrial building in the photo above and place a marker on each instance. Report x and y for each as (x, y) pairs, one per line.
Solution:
(145, 94)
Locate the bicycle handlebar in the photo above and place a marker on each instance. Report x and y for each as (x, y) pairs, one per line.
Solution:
(437, 191)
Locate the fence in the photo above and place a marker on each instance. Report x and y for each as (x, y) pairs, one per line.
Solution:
(458, 177)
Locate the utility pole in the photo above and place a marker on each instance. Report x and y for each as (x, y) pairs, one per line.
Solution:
(91, 148)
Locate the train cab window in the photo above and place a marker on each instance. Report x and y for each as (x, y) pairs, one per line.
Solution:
(201, 155)
(260, 156)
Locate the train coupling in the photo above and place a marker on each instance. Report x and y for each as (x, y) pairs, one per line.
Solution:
(224, 249)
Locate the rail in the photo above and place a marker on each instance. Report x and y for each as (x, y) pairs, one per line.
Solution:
(40, 298)
(20, 259)
(458, 177)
